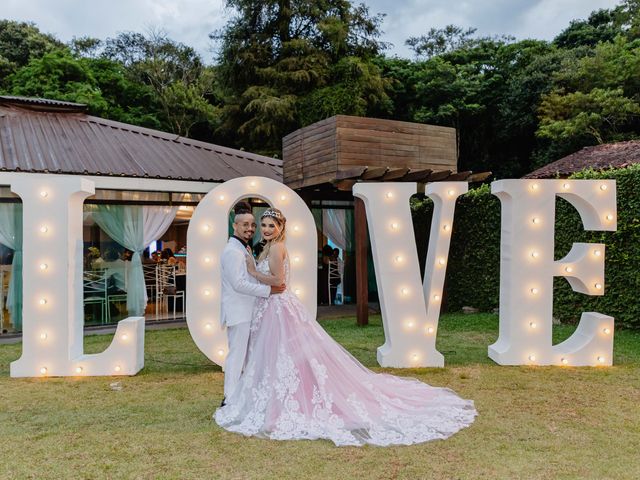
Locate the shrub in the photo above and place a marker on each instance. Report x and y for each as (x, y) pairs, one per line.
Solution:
(473, 272)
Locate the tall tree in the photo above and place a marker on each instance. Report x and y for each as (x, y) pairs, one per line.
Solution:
(603, 25)
(184, 87)
(99, 83)
(438, 41)
(285, 63)
(19, 43)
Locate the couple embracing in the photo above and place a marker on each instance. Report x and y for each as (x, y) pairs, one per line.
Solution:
(287, 379)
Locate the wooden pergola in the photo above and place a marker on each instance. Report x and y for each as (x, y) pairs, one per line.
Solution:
(323, 161)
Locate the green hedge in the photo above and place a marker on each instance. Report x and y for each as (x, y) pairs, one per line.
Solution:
(474, 261)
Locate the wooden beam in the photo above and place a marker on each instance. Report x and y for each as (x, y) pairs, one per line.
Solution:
(345, 185)
(394, 174)
(479, 177)
(438, 175)
(417, 175)
(362, 277)
(350, 173)
(372, 173)
(456, 177)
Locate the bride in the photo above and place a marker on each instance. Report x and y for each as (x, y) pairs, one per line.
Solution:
(298, 383)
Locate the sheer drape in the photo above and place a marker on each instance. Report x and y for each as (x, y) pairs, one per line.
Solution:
(336, 226)
(11, 237)
(134, 227)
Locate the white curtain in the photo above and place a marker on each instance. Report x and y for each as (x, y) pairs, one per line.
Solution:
(134, 227)
(337, 228)
(11, 237)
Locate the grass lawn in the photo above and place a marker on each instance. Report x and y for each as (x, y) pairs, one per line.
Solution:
(534, 422)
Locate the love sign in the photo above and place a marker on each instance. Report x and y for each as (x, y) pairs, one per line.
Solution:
(53, 303)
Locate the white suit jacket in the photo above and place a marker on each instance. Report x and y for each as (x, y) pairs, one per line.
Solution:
(239, 289)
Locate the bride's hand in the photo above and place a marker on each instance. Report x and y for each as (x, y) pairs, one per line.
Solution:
(251, 265)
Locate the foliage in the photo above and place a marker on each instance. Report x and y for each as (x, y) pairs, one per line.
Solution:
(184, 88)
(576, 117)
(281, 65)
(284, 64)
(473, 269)
(19, 43)
(622, 279)
(99, 83)
(594, 98)
(441, 40)
(603, 26)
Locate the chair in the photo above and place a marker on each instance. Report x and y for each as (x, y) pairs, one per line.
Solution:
(335, 277)
(119, 297)
(95, 292)
(150, 278)
(166, 288)
(3, 295)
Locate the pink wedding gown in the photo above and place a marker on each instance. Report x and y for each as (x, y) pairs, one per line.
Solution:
(299, 383)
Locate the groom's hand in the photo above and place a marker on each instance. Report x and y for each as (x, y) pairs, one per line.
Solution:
(278, 288)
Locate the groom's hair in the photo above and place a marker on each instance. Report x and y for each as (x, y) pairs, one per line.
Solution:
(241, 208)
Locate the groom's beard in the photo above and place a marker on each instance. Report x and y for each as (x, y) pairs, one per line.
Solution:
(248, 239)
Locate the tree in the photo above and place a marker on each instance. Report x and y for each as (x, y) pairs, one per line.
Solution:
(19, 43)
(603, 25)
(283, 63)
(184, 88)
(99, 83)
(438, 41)
(578, 118)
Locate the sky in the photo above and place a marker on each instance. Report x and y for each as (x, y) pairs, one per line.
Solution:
(191, 21)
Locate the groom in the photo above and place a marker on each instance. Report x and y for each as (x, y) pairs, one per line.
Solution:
(239, 293)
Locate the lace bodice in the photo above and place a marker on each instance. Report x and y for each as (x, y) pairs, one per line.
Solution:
(263, 267)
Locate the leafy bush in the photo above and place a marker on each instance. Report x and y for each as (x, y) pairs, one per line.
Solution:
(473, 272)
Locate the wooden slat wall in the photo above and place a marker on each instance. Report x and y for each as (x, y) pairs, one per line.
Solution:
(388, 143)
(314, 154)
(309, 154)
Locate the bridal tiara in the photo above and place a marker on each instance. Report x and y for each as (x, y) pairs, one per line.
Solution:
(272, 213)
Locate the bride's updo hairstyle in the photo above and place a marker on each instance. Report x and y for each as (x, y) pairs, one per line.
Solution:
(280, 220)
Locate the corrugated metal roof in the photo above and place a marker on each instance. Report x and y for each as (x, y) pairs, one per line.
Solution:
(39, 135)
(599, 157)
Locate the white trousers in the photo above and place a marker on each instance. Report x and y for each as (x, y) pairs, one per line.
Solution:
(238, 338)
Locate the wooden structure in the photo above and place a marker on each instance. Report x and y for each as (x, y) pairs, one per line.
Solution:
(324, 160)
(339, 148)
